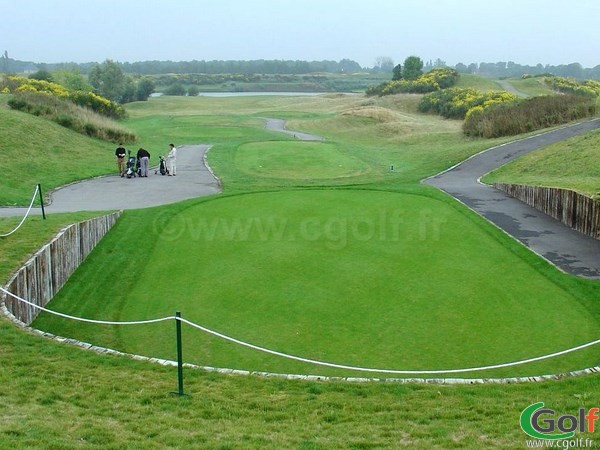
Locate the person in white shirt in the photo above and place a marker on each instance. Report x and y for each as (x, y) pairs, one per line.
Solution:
(172, 160)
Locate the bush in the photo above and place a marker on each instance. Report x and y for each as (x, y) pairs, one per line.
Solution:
(175, 89)
(98, 104)
(527, 115)
(101, 105)
(18, 104)
(428, 82)
(588, 88)
(455, 103)
(65, 113)
(65, 120)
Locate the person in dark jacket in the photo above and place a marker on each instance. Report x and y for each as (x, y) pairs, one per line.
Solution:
(144, 159)
(120, 154)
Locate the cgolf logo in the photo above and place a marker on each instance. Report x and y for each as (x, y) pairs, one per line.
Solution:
(540, 423)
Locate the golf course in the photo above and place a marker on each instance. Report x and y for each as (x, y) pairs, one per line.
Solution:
(315, 248)
(328, 250)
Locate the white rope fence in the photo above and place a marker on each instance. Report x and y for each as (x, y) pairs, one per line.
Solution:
(81, 319)
(312, 361)
(37, 189)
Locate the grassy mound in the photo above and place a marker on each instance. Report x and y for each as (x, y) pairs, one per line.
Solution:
(365, 278)
(40, 151)
(570, 164)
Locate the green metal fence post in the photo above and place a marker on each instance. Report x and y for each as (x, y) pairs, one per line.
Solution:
(41, 200)
(179, 354)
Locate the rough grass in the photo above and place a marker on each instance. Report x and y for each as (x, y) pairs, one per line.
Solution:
(570, 164)
(43, 152)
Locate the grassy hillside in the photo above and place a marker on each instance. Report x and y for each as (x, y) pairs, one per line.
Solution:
(571, 164)
(39, 151)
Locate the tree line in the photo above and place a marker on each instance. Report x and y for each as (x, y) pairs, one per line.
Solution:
(297, 67)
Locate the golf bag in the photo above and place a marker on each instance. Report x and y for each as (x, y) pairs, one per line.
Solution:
(162, 167)
(132, 166)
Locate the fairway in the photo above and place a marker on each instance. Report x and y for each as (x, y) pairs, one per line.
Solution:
(359, 277)
(297, 160)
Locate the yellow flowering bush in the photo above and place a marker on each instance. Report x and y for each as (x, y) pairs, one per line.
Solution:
(588, 88)
(428, 82)
(455, 103)
(20, 84)
(523, 116)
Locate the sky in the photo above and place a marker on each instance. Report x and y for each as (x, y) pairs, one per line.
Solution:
(527, 32)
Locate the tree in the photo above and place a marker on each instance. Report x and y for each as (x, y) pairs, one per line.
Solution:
(175, 89)
(43, 75)
(397, 73)
(72, 79)
(144, 87)
(461, 68)
(413, 68)
(108, 80)
(193, 91)
(5, 61)
(384, 64)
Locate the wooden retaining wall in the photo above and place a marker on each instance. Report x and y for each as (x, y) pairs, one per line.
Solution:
(571, 208)
(50, 268)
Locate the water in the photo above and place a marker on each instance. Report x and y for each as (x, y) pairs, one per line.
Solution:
(250, 94)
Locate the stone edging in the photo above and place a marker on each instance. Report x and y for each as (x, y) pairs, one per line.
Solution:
(287, 376)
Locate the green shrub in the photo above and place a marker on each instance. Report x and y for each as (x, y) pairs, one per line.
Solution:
(527, 115)
(175, 89)
(65, 120)
(454, 103)
(428, 82)
(67, 114)
(90, 129)
(101, 105)
(588, 88)
(18, 104)
(98, 104)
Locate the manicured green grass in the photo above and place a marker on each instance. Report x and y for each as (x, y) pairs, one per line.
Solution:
(110, 402)
(297, 160)
(396, 278)
(570, 164)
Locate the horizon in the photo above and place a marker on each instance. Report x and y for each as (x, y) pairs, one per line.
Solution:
(41, 63)
(71, 31)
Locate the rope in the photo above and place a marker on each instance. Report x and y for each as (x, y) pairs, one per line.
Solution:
(390, 371)
(81, 319)
(313, 361)
(26, 214)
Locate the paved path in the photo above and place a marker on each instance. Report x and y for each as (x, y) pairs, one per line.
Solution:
(193, 180)
(279, 125)
(568, 249)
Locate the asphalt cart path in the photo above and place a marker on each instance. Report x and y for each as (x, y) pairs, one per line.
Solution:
(193, 179)
(564, 247)
(279, 125)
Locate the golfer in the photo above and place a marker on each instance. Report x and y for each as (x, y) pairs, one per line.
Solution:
(144, 158)
(172, 160)
(120, 154)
